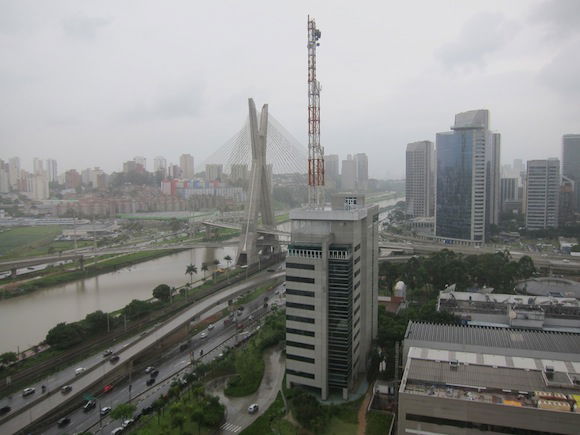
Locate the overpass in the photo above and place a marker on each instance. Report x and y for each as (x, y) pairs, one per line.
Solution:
(239, 228)
(55, 401)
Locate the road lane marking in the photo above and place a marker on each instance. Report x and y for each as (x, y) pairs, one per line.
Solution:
(231, 427)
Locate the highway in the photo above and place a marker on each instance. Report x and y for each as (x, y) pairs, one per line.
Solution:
(44, 404)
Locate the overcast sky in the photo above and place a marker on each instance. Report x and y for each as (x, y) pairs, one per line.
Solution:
(95, 83)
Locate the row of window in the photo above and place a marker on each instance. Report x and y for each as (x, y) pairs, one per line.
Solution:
(299, 373)
(299, 266)
(300, 345)
(300, 306)
(300, 332)
(300, 319)
(299, 279)
(300, 358)
(299, 292)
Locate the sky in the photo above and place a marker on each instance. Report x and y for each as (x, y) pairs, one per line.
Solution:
(98, 82)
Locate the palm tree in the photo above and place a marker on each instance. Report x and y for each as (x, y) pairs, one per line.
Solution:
(204, 268)
(191, 269)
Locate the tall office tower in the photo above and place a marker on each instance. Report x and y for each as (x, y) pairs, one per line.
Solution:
(331, 294)
(186, 165)
(362, 171)
(331, 172)
(493, 175)
(37, 166)
(348, 175)
(465, 158)
(14, 172)
(52, 170)
(239, 172)
(542, 194)
(571, 162)
(566, 215)
(420, 179)
(508, 190)
(140, 160)
(214, 171)
(519, 166)
(160, 165)
(4, 177)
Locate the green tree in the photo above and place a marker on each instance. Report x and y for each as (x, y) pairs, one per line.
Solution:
(204, 269)
(526, 267)
(228, 259)
(136, 308)
(162, 292)
(64, 335)
(196, 415)
(8, 357)
(96, 322)
(214, 412)
(190, 270)
(123, 411)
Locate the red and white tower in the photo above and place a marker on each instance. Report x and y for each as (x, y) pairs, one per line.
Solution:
(315, 150)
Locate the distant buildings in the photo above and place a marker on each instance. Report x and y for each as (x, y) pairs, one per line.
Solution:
(331, 293)
(160, 165)
(239, 172)
(140, 161)
(508, 192)
(361, 162)
(52, 170)
(420, 179)
(571, 163)
(348, 175)
(542, 195)
(331, 170)
(214, 171)
(186, 165)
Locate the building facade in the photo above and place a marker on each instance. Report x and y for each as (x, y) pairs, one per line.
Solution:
(420, 179)
(331, 294)
(361, 162)
(160, 165)
(331, 170)
(571, 162)
(542, 194)
(186, 165)
(348, 175)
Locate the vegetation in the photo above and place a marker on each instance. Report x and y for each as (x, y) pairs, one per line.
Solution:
(8, 357)
(162, 292)
(378, 423)
(191, 270)
(17, 242)
(123, 411)
(271, 422)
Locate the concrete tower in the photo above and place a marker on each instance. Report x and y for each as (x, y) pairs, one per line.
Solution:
(419, 183)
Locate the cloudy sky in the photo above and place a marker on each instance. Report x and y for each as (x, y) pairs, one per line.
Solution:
(95, 83)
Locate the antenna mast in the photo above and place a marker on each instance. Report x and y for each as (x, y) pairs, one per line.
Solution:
(315, 151)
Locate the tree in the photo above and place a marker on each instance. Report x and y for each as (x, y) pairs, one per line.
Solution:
(136, 308)
(162, 292)
(123, 411)
(196, 415)
(526, 267)
(204, 268)
(7, 357)
(228, 259)
(96, 322)
(64, 335)
(190, 270)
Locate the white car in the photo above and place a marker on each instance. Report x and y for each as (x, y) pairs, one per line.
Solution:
(28, 391)
(149, 369)
(203, 334)
(80, 371)
(210, 326)
(253, 408)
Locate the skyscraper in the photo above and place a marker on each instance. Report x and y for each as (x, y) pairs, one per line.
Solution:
(214, 171)
(362, 171)
(160, 165)
(332, 291)
(571, 162)
(14, 172)
(493, 176)
(542, 194)
(186, 165)
(52, 170)
(142, 161)
(331, 170)
(348, 175)
(465, 164)
(419, 179)
(37, 166)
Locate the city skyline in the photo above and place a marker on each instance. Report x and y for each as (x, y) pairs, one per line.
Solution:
(114, 103)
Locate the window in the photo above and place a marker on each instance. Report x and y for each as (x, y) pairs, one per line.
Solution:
(299, 318)
(299, 266)
(300, 306)
(357, 285)
(301, 374)
(357, 297)
(357, 247)
(299, 279)
(300, 345)
(300, 332)
(299, 292)
(300, 358)
(356, 260)
(357, 273)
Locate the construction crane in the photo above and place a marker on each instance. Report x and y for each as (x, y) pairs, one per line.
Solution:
(315, 150)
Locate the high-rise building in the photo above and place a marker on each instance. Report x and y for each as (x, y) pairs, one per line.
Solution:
(37, 166)
(4, 177)
(566, 215)
(348, 175)
(72, 179)
(542, 194)
(214, 171)
(142, 161)
(508, 191)
(493, 176)
(160, 165)
(571, 162)
(419, 179)
(52, 170)
(186, 165)
(465, 162)
(362, 171)
(14, 172)
(332, 282)
(239, 172)
(331, 170)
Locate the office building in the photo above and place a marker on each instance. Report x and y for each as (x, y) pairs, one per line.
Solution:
(361, 162)
(331, 294)
(331, 170)
(186, 165)
(72, 179)
(508, 192)
(141, 162)
(571, 162)
(348, 175)
(160, 165)
(566, 214)
(420, 179)
(542, 194)
(214, 172)
(4, 177)
(464, 189)
(52, 170)
(14, 172)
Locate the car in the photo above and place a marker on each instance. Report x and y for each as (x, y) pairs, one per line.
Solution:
(107, 388)
(80, 371)
(117, 430)
(253, 408)
(127, 423)
(147, 410)
(5, 410)
(114, 359)
(28, 391)
(91, 404)
(150, 382)
(63, 422)
(107, 353)
(203, 334)
(271, 270)
(183, 346)
(154, 373)
(149, 369)
(66, 389)
(210, 326)
(105, 410)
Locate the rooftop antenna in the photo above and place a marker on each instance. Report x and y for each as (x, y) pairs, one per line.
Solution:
(315, 151)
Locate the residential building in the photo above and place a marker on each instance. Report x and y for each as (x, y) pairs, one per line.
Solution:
(4, 177)
(72, 179)
(214, 172)
(14, 169)
(571, 162)
(160, 165)
(52, 170)
(348, 175)
(362, 171)
(542, 194)
(186, 165)
(331, 294)
(331, 170)
(420, 179)
(466, 161)
(141, 161)
(37, 166)
(239, 172)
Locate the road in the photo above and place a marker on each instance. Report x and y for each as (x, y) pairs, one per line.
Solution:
(102, 369)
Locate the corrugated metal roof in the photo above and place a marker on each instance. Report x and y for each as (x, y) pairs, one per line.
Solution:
(546, 341)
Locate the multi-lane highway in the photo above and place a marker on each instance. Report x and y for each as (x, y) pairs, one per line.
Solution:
(39, 405)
